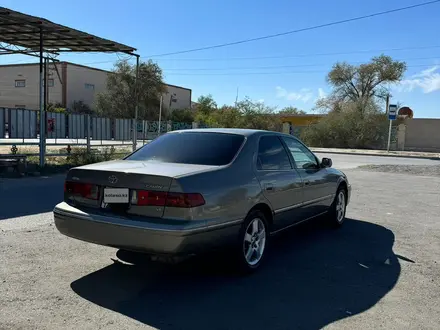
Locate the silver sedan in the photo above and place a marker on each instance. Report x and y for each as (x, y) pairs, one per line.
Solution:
(190, 191)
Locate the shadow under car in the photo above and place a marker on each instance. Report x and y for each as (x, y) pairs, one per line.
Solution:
(312, 276)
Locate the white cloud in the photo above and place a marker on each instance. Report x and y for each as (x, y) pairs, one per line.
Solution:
(260, 101)
(303, 94)
(427, 72)
(427, 80)
(321, 93)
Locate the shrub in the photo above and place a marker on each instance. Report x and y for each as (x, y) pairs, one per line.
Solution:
(79, 156)
(348, 129)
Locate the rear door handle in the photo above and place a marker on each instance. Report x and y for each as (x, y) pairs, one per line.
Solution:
(268, 186)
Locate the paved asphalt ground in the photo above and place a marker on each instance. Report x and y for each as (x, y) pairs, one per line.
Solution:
(381, 270)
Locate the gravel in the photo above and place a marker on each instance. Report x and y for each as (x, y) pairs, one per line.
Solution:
(379, 271)
(430, 170)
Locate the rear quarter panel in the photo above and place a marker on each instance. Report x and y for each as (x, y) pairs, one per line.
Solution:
(334, 177)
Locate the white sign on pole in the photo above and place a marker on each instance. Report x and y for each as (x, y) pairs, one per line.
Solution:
(392, 115)
(392, 112)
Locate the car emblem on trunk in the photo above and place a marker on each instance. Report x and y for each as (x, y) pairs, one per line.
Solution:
(153, 186)
(112, 179)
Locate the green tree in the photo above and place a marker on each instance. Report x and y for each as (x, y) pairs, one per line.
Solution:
(245, 114)
(119, 100)
(55, 107)
(182, 116)
(291, 111)
(227, 116)
(346, 129)
(364, 83)
(205, 108)
(81, 108)
(257, 115)
(206, 104)
(354, 117)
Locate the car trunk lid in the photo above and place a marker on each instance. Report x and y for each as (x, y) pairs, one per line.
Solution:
(127, 187)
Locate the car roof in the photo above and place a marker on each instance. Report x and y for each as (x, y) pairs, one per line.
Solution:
(238, 131)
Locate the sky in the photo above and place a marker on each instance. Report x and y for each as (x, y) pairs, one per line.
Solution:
(289, 70)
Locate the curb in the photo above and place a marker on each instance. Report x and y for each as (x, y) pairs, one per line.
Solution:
(380, 155)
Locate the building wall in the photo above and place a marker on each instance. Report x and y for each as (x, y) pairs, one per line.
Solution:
(78, 77)
(28, 96)
(83, 84)
(181, 97)
(422, 134)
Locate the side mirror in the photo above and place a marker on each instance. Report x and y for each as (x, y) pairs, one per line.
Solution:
(326, 162)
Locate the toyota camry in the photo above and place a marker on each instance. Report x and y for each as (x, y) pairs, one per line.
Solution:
(192, 191)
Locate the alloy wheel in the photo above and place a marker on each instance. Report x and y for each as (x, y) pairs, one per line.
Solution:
(340, 206)
(254, 241)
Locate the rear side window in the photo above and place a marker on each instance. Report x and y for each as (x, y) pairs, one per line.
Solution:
(272, 155)
(201, 148)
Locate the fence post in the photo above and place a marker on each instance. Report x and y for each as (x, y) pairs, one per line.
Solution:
(134, 135)
(2, 123)
(88, 132)
(144, 129)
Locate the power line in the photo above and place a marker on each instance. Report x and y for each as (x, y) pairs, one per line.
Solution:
(270, 73)
(169, 72)
(322, 71)
(286, 66)
(301, 55)
(298, 30)
(286, 56)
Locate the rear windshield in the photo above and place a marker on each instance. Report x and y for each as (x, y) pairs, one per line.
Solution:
(191, 148)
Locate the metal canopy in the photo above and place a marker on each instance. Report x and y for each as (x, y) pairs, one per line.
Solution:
(23, 31)
(34, 36)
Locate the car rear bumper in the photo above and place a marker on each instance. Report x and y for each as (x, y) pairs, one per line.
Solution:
(148, 237)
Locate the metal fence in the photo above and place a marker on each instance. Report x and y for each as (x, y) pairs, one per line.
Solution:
(20, 123)
(76, 126)
(101, 129)
(22, 127)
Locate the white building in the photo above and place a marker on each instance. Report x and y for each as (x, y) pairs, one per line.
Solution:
(67, 82)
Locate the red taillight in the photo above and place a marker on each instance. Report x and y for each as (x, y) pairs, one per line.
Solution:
(85, 190)
(159, 198)
(184, 200)
(153, 198)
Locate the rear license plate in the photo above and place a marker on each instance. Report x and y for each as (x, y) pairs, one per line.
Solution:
(116, 195)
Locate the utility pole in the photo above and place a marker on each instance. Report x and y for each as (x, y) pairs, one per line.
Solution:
(46, 99)
(136, 106)
(387, 109)
(160, 114)
(41, 103)
(46, 83)
(392, 115)
(236, 98)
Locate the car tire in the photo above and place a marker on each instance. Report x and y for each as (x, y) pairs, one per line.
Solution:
(252, 243)
(338, 208)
